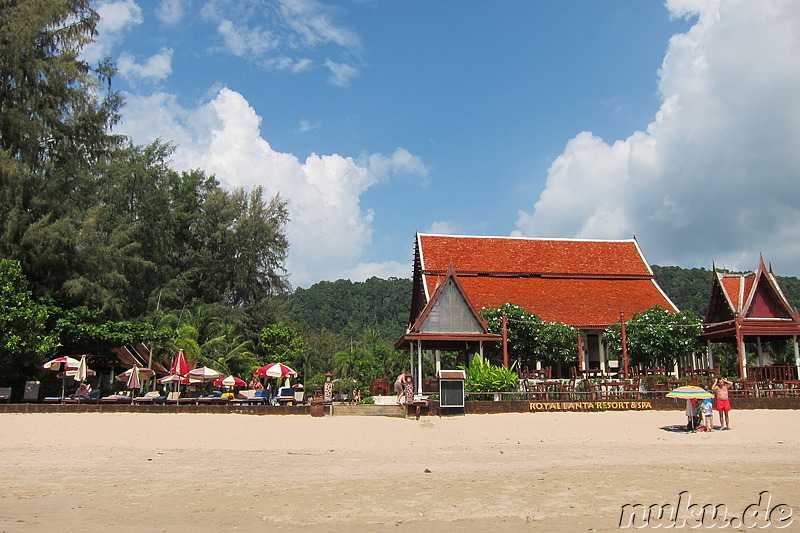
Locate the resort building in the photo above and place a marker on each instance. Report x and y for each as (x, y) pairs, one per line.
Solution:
(587, 284)
(746, 308)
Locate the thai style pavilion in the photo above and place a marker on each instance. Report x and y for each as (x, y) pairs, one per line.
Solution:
(587, 284)
(748, 307)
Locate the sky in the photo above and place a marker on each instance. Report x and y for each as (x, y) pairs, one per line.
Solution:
(675, 122)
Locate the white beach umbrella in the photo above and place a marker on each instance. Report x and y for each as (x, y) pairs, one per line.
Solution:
(203, 373)
(82, 371)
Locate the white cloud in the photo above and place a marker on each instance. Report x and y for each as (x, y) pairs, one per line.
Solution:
(156, 67)
(713, 177)
(329, 229)
(242, 40)
(341, 73)
(443, 227)
(307, 125)
(401, 162)
(311, 21)
(281, 35)
(170, 11)
(389, 269)
(115, 19)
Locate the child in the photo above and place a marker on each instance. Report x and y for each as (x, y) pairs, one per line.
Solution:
(708, 413)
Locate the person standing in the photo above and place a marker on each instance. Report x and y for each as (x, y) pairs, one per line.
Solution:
(722, 401)
(708, 414)
(399, 387)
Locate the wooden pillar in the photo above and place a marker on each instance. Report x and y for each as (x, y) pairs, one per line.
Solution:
(580, 352)
(419, 367)
(740, 350)
(760, 353)
(710, 351)
(624, 345)
(505, 340)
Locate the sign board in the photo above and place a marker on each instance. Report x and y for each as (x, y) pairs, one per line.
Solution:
(451, 393)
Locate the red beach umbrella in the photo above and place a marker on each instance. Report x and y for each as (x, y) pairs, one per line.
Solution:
(230, 381)
(62, 363)
(179, 365)
(275, 370)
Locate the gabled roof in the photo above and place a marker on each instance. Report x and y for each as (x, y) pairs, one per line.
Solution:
(448, 319)
(449, 310)
(752, 296)
(583, 283)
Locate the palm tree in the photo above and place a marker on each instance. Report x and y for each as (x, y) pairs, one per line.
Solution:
(229, 353)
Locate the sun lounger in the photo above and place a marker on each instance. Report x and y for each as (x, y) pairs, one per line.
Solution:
(285, 396)
(193, 398)
(251, 397)
(55, 399)
(116, 398)
(94, 397)
(150, 397)
(172, 398)
(212, 397)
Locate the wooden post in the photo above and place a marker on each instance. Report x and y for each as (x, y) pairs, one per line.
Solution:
(740, 352)
(505, 340)
(624, 345)
(580, 352)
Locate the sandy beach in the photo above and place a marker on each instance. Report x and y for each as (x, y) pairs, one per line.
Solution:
(120, 472)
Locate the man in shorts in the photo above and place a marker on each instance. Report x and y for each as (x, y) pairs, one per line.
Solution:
(722, 401)
(399, 387)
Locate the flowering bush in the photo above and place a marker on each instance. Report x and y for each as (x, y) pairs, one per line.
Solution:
(656, 337)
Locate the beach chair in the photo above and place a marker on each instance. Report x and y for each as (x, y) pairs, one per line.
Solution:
(116, 398)
(150, 397)
(212, 397)
(172, 397)
(285, 396)
(193, 398)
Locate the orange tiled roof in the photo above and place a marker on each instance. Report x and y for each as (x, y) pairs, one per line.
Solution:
(578, 282)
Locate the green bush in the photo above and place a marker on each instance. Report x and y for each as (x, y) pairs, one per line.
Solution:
(483, 376)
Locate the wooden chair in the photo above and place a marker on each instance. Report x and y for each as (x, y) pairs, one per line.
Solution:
(743, 389)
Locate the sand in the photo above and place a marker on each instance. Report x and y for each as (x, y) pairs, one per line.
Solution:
(120, 472)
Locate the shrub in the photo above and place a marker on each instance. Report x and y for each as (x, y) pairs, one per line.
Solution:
(483, 376)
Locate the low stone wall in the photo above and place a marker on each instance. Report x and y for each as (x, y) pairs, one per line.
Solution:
(659, 404)
(165, 409)
(471, 407)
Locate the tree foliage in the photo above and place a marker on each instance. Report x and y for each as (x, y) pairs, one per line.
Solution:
(531, 339)
(655, 337)
(24, 336)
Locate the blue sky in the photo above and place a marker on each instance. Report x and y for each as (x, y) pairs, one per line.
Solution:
(675, 122)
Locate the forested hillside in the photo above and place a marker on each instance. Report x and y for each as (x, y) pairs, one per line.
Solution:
(348, 308)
